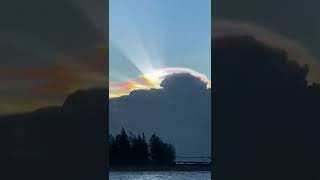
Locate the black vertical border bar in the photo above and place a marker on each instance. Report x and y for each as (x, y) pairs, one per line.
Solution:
(213, 136)
(214, 120)
(213, 131)
(106, 137)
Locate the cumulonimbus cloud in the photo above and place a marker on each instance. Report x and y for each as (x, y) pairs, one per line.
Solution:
(180, 112)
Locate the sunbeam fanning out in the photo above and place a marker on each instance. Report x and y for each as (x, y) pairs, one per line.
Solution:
(145, 47)
(143, 43)
(140, 47)
(137, 55)
(150, 80)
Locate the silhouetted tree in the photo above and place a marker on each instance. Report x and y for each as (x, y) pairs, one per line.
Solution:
(134, 150)
(123, 147)
(113, 150)
(139, 149)
(161, 153)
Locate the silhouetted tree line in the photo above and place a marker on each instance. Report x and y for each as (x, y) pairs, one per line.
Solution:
(130, 149)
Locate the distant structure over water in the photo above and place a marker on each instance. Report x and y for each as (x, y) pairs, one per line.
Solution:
(194, 160)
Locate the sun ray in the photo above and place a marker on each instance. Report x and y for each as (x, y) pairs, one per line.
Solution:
(146, 48)
(129, 38)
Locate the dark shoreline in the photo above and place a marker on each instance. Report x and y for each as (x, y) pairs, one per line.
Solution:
(180, 167)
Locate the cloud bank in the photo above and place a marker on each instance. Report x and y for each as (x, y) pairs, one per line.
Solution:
(265, 112)
(180, 112)
(60, 142)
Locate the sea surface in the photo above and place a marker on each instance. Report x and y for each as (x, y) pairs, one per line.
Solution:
(161, 175)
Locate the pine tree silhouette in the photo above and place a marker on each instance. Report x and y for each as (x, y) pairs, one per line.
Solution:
(134, 150)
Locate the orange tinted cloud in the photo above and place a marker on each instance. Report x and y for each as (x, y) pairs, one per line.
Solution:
(36, 87)
(124, 88)
(149, 81)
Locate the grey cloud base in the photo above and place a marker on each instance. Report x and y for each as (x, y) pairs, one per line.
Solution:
(180, 113)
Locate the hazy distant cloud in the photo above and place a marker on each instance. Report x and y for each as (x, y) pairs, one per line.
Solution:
(180, 112)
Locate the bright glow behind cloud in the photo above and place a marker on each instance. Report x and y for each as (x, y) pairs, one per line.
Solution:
(144, 40)
(150, 80)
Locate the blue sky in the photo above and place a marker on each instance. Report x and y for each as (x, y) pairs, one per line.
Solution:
(150, 34)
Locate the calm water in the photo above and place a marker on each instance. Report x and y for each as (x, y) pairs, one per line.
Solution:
(159, 175)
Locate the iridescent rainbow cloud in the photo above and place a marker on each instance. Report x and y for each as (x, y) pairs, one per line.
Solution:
(150, 80)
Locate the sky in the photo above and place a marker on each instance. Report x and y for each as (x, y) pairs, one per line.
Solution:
(148, 37)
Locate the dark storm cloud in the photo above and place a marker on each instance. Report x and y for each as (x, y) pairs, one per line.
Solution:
(266, 115)
(180, 112)
(63, 142)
